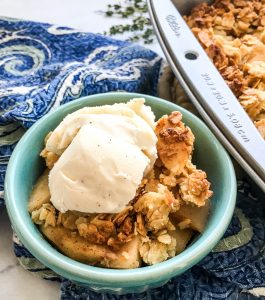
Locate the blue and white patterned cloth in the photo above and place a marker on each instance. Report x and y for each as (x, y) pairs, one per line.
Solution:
(42, 67)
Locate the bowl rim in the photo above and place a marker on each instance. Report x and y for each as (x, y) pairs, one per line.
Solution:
(85, 273)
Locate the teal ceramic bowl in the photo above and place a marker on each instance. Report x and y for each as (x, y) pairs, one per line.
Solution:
(25, 166)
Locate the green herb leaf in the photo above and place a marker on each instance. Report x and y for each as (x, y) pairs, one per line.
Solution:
(139, 25)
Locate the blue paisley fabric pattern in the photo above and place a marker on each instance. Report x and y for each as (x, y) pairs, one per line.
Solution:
(43, 66)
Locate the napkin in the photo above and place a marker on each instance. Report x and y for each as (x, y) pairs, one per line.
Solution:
(43, 66)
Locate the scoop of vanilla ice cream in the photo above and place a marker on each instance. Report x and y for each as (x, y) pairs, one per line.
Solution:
(104, 153)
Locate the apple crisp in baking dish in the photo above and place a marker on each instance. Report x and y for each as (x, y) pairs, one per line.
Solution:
(232, 32)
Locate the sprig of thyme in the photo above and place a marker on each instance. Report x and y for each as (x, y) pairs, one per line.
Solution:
(136, 12)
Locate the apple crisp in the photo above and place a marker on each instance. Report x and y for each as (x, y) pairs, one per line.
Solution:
(170, 206)
(232, 32)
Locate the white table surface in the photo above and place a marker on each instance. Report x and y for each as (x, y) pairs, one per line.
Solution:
(15, 282)
(85, 15)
